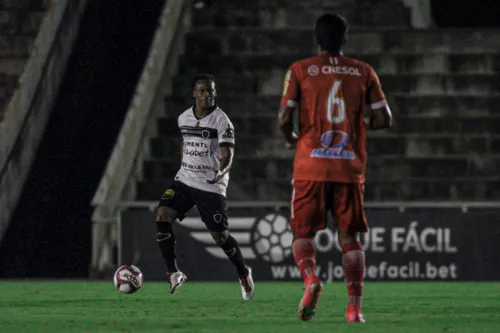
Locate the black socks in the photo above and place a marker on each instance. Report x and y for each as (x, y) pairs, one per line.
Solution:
(233, 252)
(166, 240)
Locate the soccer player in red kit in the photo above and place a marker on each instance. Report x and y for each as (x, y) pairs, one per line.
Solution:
(329, 92)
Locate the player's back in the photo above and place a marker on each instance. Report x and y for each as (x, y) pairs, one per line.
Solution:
(331, 94)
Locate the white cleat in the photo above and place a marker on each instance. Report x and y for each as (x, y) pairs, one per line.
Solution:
(176, 281)
(247, 286)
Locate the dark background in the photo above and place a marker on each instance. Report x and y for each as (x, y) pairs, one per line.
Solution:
(50, 233)
(465, 13)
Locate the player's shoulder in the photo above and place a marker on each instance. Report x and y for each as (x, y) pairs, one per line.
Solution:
(302, 65)
(224, 124)
(353, 62)
(185, 114)
(221, 116)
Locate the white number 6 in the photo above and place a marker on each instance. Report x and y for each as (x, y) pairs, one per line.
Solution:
(338, 101)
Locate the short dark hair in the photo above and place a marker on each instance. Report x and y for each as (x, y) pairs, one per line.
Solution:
(202, 77)
(331, 32)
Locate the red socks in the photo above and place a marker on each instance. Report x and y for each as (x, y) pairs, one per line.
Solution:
(353, 261)
(305, 256)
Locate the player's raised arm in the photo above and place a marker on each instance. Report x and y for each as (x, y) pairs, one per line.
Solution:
(226, 145)
(380, 115)
(289, 102)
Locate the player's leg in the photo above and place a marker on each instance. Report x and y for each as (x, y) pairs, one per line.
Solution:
(213, 211)
(174, 203)
(350, 219)
(308, 215)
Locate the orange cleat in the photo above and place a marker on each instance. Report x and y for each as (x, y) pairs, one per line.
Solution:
(307, 306)
(353, 314)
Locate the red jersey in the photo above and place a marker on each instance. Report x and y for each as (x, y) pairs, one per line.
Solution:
(330, 93)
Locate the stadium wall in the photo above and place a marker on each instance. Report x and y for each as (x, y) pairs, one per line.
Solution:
(406, 242)
(31, 105)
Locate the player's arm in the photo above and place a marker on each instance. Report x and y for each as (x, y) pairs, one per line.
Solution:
(380, 115)
(379, 118)
(226, 161)
(182, 138)
(285, 124)
(226, 146)
(289, 104)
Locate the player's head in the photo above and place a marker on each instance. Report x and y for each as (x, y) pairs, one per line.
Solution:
(330, 32)
(204, 91)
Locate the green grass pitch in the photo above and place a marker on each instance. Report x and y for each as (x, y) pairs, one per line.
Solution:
(78, 306)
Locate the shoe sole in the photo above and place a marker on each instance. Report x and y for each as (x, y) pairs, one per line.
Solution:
(355, 321)
(178, 286)
(315, 290)
(253, 289)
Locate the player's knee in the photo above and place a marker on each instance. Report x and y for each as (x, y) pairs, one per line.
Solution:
(165, 214)
(304, 235)
(220, 237)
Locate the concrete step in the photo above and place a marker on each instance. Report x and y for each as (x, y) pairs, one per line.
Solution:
(382, 167)
(446, 126)
(20, 23)
(15, 46)
(412, 144)
(273, 14)
(386, 63)
(361, 41)
(25, 5)
(271, 83)
(454, 189)
(479, 105)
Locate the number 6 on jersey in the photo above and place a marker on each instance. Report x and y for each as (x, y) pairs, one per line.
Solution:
(334, 100)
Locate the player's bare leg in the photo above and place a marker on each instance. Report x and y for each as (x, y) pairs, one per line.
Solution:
(353, 262)
(304, 254)
(165, 237)
(231, 248)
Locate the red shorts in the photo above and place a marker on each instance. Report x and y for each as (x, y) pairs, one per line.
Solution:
(311, 201)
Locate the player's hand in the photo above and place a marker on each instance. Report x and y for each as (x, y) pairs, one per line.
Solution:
(216, 178)
(291, 145)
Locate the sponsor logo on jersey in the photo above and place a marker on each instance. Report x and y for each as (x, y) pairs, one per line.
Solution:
(313, 70)
(229, 133)
(196, 168)
(334, 146)
(343, 70)
(198, 153)
(168, 194)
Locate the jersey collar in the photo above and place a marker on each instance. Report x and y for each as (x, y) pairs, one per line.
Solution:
(215, 107)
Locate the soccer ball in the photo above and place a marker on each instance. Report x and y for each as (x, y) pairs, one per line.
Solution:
(128, 279)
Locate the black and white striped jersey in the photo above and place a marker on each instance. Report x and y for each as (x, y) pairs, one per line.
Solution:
(202, 139)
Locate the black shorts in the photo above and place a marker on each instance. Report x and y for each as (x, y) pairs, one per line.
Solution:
(211, 206)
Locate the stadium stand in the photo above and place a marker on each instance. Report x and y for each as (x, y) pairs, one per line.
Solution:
(36, 38)
(19, 24)
(443, 87)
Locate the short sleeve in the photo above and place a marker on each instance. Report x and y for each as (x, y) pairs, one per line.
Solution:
(226, 133)
(375, 96)
(291, 89)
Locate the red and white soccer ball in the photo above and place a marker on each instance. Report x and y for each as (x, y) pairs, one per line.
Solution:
(128, 279)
